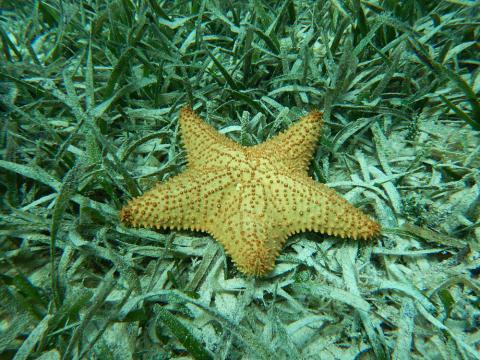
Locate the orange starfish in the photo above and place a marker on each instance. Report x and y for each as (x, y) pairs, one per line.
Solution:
(248, 198)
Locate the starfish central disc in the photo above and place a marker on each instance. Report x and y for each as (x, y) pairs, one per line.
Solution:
(250, 199)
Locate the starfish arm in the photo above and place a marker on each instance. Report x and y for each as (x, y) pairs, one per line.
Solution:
(203, 144)
(305, 205)
(250, 245)
(184, 201)
(295, 146)
(246, 233)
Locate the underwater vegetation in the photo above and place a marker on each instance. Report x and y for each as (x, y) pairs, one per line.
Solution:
(90, 96)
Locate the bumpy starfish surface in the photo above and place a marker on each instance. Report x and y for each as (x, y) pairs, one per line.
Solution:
(248, 198)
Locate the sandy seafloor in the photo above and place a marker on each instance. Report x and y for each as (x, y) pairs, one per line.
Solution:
(89, 100)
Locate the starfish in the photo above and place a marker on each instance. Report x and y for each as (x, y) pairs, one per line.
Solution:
(250, 199)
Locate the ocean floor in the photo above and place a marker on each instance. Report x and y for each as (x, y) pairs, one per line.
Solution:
(90, 94)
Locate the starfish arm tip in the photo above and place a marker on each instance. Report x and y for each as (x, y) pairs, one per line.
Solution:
(370, 230)
(316, 113)
(125, 215)
(186, 109)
